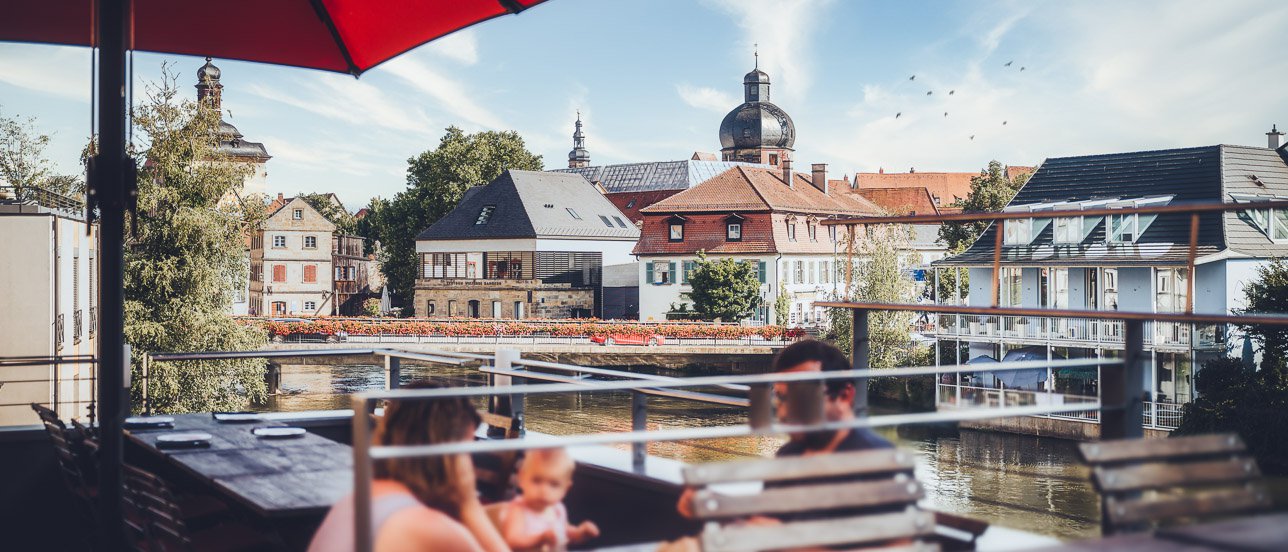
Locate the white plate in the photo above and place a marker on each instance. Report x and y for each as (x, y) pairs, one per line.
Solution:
(238, 417)
(184, 439)
(279, 432)
(149, 421)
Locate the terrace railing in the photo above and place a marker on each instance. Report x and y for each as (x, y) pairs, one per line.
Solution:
(1089, 332)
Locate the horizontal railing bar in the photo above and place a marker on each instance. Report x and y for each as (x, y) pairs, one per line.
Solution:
(605, 372)
(676, 394)
(1183, 208)
(449, 392)
(220, 355)
(715, 432)
(1269, 319)
(41, 361)
(426, 357)
(411, 355)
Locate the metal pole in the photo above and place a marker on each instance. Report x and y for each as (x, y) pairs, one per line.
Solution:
(109, 189)
(1121, 415)
(504, 360)
(363, 539)
(860, 348)
(393, 372)
(639, 422)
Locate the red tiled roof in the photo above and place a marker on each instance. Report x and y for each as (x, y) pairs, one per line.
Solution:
(948, 187)
(903, 201)
(1013, 171)
(758, 189)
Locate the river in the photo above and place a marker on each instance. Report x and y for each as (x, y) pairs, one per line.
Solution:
(1032, 484)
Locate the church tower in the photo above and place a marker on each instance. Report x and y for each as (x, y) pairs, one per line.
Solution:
(232, 144)
(757, 131)
(578, 157)
(208, 87)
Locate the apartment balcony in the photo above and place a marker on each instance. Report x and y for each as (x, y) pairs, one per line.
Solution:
(1073, 332)
(1163, 416)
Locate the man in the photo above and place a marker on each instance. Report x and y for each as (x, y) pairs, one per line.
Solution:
(814, 356)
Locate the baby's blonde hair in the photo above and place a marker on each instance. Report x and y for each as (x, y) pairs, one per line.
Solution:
(547, 456)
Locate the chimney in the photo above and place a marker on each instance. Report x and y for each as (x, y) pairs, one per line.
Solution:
(820, 176)
(279, 197)
(912, 170)
(1272, 137)
(787, 172)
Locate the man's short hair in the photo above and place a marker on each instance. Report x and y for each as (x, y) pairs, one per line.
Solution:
(828, 356)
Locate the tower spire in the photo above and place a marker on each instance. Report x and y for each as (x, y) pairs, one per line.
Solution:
(578, 157)
(755, 51)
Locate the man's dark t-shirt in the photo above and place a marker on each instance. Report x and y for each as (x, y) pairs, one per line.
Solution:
(859, 438)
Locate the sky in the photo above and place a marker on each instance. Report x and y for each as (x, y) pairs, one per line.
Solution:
(653, 79)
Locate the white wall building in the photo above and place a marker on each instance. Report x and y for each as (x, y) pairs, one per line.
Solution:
(291, 272)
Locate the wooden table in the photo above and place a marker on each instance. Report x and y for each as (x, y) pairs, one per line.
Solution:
(273, 477)
(1257, 533)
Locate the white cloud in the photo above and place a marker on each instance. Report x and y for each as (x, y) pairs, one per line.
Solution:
(705, 97)
(452, 94)
(461, 46)
(59, 71)
(349, 100)
(781, 32)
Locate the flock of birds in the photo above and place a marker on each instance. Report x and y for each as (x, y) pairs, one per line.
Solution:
(952, 92)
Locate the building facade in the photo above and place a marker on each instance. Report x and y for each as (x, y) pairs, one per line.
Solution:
(49, 265)
(767, 217)
(1130, 262)
(291, 263)
(526, 245)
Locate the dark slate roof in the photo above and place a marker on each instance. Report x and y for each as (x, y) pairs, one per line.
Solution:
(533, 204)
(654, 175)
(1191, 175)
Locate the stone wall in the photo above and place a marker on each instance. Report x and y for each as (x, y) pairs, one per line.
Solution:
(1048, 427)
(448, 298)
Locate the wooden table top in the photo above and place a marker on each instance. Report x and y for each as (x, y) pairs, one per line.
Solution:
(272, 477)
(1256, 533)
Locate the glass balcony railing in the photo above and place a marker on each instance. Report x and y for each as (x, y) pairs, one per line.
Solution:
(1072, 331)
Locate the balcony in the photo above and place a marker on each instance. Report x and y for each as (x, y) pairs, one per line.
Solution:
(78, 324)
(1073, 332)
(1157, 415)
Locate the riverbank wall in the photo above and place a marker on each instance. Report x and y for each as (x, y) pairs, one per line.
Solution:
(1049, 427)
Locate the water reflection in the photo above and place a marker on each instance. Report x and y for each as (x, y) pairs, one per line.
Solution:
(1028, 483)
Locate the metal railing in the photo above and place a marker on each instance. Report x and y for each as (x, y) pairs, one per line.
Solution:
(78, 326)
(37, 196)
(54, 396)
(1163, 416)
(1091, 332)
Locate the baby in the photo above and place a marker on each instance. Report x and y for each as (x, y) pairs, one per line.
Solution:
(536, 519)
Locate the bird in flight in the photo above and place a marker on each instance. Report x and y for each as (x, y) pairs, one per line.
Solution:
(1021, 67)
(899, 114)
(1003, 123)
(972, 137)
(1008, 64)
(914, 77)
(929, 92)
(950, 92)
(945, 113)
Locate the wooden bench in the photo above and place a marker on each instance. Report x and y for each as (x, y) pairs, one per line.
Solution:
(1148, 482)
(863, 498)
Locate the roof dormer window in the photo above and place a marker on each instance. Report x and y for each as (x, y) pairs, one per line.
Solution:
(675, 226)
(1017, 231)
(1123, 228)
(1068, 230)
(573, 213)
(485, 214)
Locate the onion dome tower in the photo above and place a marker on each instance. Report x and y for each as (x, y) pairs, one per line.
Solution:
(578, 157)
(757, 131)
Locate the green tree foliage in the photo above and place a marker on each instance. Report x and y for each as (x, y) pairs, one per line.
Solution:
(23, 163)
(989, 193)
(880, 277)
(724, 289)
(436, 180)
(782, 305)
(187, 255)
(1269, 294)
(342, 219)
(1235, 399)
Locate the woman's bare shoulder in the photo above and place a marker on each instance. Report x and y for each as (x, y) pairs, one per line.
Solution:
(424, 529)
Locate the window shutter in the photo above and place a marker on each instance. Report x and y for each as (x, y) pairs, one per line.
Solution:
(670, 269)
(648, 272)
(760, 271)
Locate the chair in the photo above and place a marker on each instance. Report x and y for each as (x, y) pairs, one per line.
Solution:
(494, 471)
(155, 522)
(70, 465)
(865, 498)
(1148, 482)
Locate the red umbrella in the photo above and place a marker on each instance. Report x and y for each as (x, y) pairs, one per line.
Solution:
(347, 36)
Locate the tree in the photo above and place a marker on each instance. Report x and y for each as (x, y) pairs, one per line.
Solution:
(23, 163)
(880, 278)
(1269, 294)
(989, 193)
(187, 254)
(724, 289)
(436, 180)
(342, 220)
(782, 305)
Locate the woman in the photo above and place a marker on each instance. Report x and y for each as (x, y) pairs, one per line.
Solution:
(423, 503)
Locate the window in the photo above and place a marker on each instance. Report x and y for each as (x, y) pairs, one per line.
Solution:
(339, 273)
(746, 132)
(1280, 231)
(573, 213)
(661, 272)
(256, 273)
(791, 231)
(800, 272)
(786, 272)
(1058, 287)
(607, 222)
(1122, 228)
(310, 242)
(1172, 286)
(279, 273)
(1017, 232)
(1109, 289)
(825, 272)
(773, 159)
(297, 214)
(813, 231)
(429, 308)
(620, 223)
(310, 306)
(484, 215)
(630, 204)
(279, 242)
(685, 268)
(677, 231)
(831, 233)
(733, 231)
(1012, 287)
(811, 272)
(310, 274)
(1068, 230)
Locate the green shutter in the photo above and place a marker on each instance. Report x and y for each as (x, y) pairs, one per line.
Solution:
(648, 272)
(760, 271)
(687, 268)
(670, 269)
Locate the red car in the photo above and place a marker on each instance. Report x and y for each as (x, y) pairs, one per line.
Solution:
(628, 339)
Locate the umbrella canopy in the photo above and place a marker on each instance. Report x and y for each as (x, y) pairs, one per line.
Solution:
(346, 36)
(1024, 379)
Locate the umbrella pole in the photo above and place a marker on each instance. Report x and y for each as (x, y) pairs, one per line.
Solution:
(111, 191)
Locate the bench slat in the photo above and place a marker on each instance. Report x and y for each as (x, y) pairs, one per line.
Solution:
(1228, 501)
(708, 504)
(1160, 475)
(805, 467)
(1126, 450)
(804, 534)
